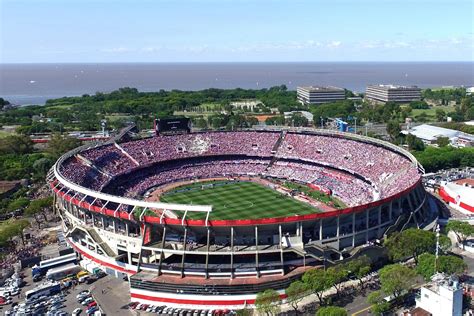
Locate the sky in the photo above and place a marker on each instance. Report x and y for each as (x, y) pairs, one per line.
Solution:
(56, 31)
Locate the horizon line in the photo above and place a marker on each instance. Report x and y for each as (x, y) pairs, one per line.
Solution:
(240, 62)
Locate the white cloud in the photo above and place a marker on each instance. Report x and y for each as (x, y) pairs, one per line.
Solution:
(120, 49)
(334, 44)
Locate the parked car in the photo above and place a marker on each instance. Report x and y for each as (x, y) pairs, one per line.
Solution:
(76, 312)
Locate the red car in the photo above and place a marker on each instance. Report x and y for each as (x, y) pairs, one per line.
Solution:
(93, 303)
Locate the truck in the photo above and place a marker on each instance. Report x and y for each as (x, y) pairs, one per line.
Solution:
(63, 272)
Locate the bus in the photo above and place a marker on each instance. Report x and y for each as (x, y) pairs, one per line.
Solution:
(45, 265)
(63, 272)
(45, 289)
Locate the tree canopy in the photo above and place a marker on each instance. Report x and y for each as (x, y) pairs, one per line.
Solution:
(461, 229)
(379, 304)
(434, 159)
(12, 228)
(331, 311)
(359, 267)
(396, 278)
(447, 264)
(59, 144)
(295, 293)
(410, 243)
(317, 281)
(268, 302)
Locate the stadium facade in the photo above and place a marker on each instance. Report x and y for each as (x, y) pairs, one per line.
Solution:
(184, 255)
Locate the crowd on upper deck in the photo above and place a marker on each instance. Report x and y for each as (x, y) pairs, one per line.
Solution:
(386, 171)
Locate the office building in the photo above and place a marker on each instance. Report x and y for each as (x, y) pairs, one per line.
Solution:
(391, 93)
(318, 95)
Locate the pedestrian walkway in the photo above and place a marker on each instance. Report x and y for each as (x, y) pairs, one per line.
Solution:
(112, 295)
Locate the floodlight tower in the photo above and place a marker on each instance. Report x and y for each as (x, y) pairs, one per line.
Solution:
(103, 124)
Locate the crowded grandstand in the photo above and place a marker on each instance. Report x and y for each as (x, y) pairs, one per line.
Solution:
(112, 197)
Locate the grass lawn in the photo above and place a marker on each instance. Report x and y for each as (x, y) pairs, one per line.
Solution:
(318, 196)
(431, 112)
(5, 133)
(237, 200)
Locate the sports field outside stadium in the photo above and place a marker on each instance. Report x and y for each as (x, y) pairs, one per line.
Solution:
(236, 200)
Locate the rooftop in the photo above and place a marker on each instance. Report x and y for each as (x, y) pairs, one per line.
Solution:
(321, 88)
(392, 87)
(431, 132)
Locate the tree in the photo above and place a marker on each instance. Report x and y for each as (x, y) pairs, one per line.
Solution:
(336, 275)
(268, 302)
(295, 293)
(446, 264)
(42, 165)
(462, 230)
(379, 305)
(359, 267)
(317, 281)
(414, 143)
(331, 311)
(411, 242)
(440, 115)
(422, 117)
(38, 207)
(60, 144)
(396, 278)
(442, 141)
(16, 144)
(297, 119)
(18, 204)
(12, 228)
(393, 129)
(275, 120)
(200, 122)
(244, 312)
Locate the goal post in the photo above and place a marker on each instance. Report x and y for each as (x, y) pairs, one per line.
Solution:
(207, 186)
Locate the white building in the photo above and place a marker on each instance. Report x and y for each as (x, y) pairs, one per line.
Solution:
(309, 116)
(318, 95)
(430, 133)
(392, 93)
(441, 297)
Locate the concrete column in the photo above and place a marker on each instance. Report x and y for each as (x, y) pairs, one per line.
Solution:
(129, 257)
(353, 228)
(256, 251)
(390, 210)
(207, 252)
(280, 235)
(184, 251)
(367, 213)
(232, 252)
(321, 229)
(162, 255)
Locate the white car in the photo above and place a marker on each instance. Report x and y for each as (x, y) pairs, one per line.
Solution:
(76, 312)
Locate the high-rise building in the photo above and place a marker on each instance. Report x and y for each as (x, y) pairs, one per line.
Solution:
(392, 93)
(318, 95)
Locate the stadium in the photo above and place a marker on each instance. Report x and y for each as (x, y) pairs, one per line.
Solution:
(209, 219)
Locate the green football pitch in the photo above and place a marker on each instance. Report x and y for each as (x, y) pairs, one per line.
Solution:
(236, 200)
